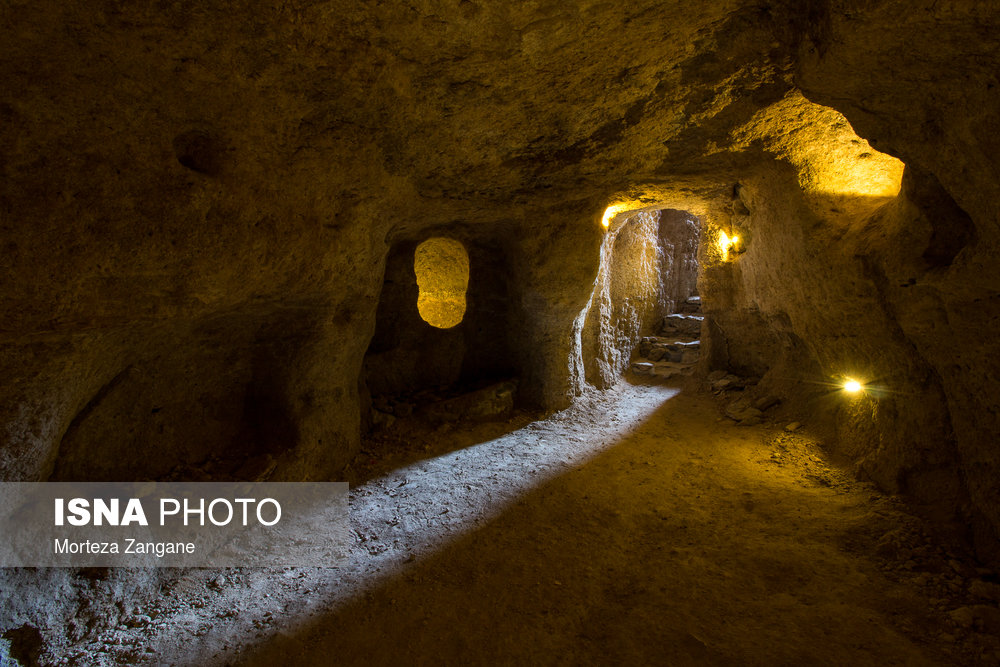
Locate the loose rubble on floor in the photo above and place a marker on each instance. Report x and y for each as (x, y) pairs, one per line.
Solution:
(440, 406)
(963, 598)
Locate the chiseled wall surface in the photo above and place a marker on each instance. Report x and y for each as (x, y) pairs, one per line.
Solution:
(196, 200)
(934, 259)
(626, 298)
(899, 291)
(807, 320)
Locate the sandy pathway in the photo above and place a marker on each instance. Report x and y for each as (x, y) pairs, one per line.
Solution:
(635, 528)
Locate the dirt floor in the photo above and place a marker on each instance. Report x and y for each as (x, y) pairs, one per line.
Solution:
(638, 527)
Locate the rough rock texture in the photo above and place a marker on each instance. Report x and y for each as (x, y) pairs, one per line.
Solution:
(196, 199)
(932, 255)
(680, 233)
(649, 266)
(204, 212)
(842, 281)
(787, 312)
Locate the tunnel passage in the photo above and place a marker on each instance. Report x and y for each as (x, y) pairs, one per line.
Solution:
(442, 330)
(648, 273)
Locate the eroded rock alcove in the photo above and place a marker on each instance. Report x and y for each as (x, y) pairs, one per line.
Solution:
(465, 285)
(210, 216)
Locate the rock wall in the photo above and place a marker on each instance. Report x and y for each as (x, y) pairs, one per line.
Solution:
(679, 236)
(442, 269)
(407, 354)
(199, 202)
(837, 284)
(807, 324)
(196, 202)
(555, 265)
(934, 103)
(840, 278)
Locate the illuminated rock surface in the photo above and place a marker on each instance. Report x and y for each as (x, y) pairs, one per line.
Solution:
(209, 214)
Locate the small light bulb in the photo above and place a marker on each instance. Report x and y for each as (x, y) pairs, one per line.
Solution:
(852, 386)
(610, 213)
(724, 242)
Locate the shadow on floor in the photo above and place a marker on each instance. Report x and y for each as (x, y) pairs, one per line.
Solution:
(412, 440)
(680, 544)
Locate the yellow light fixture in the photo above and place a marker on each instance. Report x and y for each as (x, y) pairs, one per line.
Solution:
(727, 243)
(609, 214)
(852, 386)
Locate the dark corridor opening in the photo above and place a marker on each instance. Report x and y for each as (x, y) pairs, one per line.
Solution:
(442, 373)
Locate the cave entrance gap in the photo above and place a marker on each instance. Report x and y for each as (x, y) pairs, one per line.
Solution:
(645, 315)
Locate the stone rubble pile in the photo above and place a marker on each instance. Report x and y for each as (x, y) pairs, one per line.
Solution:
(745, 403)
(440, 405)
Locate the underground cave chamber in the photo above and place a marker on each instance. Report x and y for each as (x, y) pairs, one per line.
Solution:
(245, 244)
(443, 332)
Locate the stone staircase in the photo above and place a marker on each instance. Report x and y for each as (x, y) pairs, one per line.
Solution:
(675, 350)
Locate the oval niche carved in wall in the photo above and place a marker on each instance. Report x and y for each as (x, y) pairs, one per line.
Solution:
(442, 268)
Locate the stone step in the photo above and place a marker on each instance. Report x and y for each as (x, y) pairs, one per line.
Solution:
(661, 370)
(684, 324)
(649, 343)
(677, 356)
(691, 305)
(671, 339)
(654, 349)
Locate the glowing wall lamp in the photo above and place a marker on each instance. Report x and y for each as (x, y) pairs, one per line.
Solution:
(852, 386)
(728, 244)
(610, 212)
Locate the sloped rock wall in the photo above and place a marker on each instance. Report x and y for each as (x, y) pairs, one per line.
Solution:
(933, 100)
(840, 278)
(900, 292)
(805, 321)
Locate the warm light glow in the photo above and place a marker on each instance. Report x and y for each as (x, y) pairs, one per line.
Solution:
(441, 266)
(831, 159)
(727, 243)
(852, 386)
(610, 212)
(875, 175)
